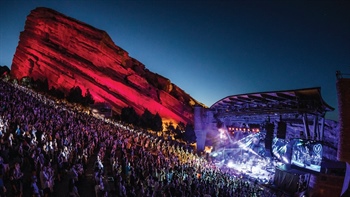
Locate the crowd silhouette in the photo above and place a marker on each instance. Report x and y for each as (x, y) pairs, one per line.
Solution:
(45, 141)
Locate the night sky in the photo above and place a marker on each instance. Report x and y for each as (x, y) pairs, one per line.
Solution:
(213, 49)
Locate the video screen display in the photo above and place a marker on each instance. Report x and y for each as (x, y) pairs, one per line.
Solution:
(307, 154)
(281, 150)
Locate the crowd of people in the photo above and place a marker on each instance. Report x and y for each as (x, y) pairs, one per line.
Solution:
(43, 140)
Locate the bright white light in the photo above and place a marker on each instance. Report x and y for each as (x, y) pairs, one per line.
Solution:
(285, 159)
(221, 135)
(230, 164)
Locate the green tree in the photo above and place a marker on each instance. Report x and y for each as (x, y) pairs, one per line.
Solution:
(26, 81)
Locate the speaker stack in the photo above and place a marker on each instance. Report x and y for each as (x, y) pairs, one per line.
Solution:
(269, 137)
(281, 130)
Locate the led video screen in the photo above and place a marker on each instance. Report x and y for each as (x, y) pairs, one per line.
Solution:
(307, 154)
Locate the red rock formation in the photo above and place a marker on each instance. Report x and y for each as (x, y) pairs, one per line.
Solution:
(71, 53)
(343, 89)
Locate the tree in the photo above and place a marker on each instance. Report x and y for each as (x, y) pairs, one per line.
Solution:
(56, 93)
(26, 81)
(124, 116)
(157, 123)
(146, 119)
(180, 128)
(41, 85)
(88, 99)
(4, 70)
(129, 115)
(177, 133)
(170, 127)
(75, 95)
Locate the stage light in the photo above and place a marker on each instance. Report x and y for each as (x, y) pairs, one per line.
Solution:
(230, 164)
(285, 159)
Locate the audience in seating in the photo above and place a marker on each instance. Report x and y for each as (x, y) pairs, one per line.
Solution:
(51, 139)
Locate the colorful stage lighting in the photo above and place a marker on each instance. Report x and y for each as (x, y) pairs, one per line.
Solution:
(230, 164)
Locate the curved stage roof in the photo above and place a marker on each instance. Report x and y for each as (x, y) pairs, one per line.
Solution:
(299, 101)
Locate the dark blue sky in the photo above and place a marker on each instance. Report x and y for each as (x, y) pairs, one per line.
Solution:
(213, 49)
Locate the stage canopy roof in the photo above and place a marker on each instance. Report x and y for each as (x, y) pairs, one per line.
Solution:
(299, 101)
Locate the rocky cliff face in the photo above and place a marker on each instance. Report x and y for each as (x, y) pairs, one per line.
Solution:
(70, 53)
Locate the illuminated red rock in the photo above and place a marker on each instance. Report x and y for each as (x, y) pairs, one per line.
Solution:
(71, 53)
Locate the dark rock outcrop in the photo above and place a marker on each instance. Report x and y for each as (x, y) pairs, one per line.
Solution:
(4, 70)
(70, 53)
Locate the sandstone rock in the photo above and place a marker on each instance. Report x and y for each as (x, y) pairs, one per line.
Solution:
(71, 53)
